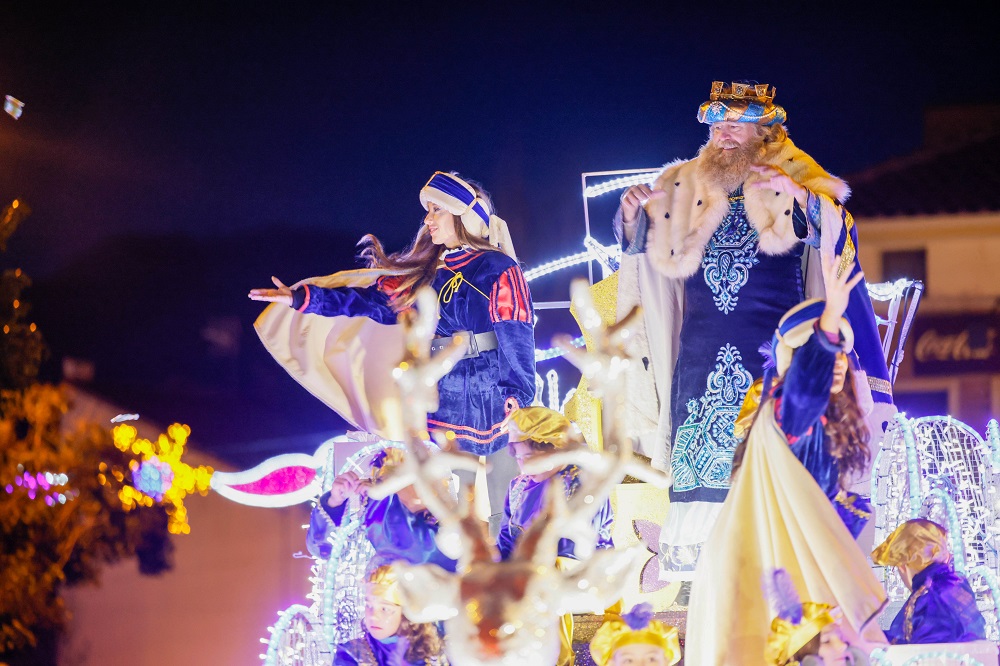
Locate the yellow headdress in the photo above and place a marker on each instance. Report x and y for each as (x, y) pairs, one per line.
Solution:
(796, 623)
(917, 544)
(386, 461)
(787, 637)
(635, 627)
(541, 424)
(382, 583)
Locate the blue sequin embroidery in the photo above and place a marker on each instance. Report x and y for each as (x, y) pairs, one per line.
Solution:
(703, 449)
(731, 253)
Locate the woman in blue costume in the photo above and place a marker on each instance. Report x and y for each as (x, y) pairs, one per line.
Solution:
(464, 252)
(816, 404)
(389, 639)
(398, 526)
(782, 510)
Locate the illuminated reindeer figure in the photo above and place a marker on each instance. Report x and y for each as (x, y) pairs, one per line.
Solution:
(507, 613)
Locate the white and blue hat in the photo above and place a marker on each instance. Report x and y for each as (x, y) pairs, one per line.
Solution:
(460, 199)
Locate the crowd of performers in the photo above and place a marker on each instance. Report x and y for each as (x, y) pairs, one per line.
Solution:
(761, 388)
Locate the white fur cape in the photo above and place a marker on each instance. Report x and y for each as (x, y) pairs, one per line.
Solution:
(681, 223)
(675, 246)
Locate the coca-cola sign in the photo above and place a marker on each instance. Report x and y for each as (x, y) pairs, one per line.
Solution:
(957, 344)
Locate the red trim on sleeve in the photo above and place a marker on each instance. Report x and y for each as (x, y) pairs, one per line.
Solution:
(305, 303)
(509, 300)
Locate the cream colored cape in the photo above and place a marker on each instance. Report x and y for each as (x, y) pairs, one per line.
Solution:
(346, 362)
(774, 516)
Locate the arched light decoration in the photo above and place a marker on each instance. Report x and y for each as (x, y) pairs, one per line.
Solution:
(939, 468)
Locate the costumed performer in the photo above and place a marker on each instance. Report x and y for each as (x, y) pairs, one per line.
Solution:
(533, 431)
(942, 606)
(777, 516)
(465, 253)
(635, 639)
(398, 526)
(815, 398)
(805, 634)
(389, 638)
(716, 250)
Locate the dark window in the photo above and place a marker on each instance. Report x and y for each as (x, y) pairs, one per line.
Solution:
(909, 264)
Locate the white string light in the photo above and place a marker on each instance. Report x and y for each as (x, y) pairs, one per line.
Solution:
(557, 265)
(620, 183)
(886, 291)
(552, 378)
(555, 352)
(941, 469)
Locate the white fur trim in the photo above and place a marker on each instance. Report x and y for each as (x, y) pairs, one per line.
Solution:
(676, 244)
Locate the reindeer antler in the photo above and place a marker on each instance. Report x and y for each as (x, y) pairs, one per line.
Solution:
(417, 376)
(604, 367)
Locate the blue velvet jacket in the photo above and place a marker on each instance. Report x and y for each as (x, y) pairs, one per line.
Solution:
(525, 499)
(478, 291)
(941, 609)
(394, 532)
(800, 408)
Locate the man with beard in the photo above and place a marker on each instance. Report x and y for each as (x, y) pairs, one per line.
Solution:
(716, 251)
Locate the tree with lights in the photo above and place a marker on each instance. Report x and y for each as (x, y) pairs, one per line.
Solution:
(62, 514)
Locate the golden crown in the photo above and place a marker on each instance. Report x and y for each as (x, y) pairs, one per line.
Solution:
(757, 92)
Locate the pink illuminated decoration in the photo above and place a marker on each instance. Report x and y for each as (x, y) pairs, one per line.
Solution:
(285, 480)
(280, 481)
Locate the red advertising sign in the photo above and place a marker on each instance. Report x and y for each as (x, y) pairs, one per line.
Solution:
(956, 344)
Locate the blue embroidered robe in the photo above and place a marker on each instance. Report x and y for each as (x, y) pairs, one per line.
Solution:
(731, 306)
(941, 609)
(478, 291)
(801, 403)
(525, 500)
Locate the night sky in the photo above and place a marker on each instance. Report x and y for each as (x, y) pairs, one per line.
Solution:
(260, 124)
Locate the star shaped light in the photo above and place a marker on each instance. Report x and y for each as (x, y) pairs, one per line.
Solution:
(175, 479)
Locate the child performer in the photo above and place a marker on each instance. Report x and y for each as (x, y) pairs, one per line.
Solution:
(464, 252)
(805, 633)
(533, 431)
(389, 638)
(398, 526)
(942, 607)
(635, 639)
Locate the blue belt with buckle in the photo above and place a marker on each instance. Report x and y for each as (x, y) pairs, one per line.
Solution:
(474, 344)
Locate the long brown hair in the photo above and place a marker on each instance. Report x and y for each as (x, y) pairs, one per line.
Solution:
(845, 424)
(846, 427)
(419, 262)
(423, 642)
